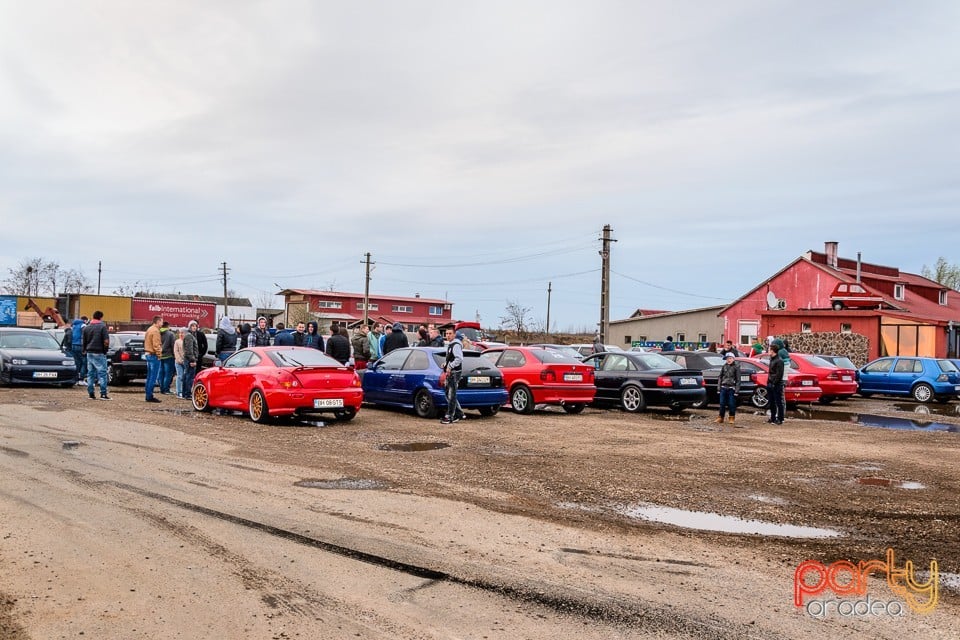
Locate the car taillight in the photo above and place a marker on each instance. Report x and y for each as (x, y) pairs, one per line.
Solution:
(588, 376)
(124, 355)
(753, 378)
(356, 380)
(548, 375)
(287, 380)
(664, 381)
(943, 377)
(833, 375)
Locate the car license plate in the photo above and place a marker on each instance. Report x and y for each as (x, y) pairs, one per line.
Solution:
(807, 383)
(688, 381)
(44, 374)
(745, 378)
(957, 388)
(847, 378)
(323, 403)
(573, 377)
(478, 379)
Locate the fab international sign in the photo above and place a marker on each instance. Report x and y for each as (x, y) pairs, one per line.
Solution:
(177, 312)
(813, 582)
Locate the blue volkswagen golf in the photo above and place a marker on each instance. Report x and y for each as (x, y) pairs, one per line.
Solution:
(410, 378)
(923, 379)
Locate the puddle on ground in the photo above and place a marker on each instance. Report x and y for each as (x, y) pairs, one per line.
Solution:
(706, 521)
(887, 482)
(70, 444)
(870, 420)
(674, 417)
(413, 446)
(343, 483)
(759, 497)
(930, 409)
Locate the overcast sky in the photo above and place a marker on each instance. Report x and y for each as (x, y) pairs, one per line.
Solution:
(476, 149)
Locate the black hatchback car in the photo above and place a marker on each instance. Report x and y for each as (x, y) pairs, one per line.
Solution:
(32, 356)
(125, 357)
(635, 381)
(709, 364)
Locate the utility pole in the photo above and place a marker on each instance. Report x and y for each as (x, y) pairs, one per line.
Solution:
(605, 284)
(224, 270)
(549, 290)
(99, 272)
(366, 289)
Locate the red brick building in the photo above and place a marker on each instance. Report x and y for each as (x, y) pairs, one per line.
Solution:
(327, 306)
(913, 315)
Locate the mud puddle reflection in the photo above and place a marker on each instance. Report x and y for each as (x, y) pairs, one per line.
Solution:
(413, 446)
(871, 420)
(343, 483)
(707, 521)
(928, 409)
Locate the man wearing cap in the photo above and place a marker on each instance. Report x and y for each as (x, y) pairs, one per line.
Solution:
(729, 386)
(453, 367)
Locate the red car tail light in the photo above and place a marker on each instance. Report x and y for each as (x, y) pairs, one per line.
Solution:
(548, 375)
(664, 381)
(833, 375)
(356, 380)
(124, 355)
(287, 380)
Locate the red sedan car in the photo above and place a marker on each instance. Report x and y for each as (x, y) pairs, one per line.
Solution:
(798, 387)
(279, 381)
(835, 381)
(534, 375)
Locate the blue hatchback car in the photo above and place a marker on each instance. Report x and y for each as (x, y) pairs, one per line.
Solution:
(923, 379)
(410, 378)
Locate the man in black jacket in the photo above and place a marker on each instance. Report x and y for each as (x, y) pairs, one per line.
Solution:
(775, 387)
(96, 341)
(396, 339)
(202, 344)
(338, 346)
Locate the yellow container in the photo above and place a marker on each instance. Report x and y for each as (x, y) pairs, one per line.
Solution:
(115, 308)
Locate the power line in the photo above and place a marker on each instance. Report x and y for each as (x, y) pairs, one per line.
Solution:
(555, 252)
(656, 286)
(490, 283)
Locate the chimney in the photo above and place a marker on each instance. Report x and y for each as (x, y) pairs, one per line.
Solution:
(830, 248)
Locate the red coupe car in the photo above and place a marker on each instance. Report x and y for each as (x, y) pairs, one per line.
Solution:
(835, 381)
(798, 387)
(535, 375)
(279, 381)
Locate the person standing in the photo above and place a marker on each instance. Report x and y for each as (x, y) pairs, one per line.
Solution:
(167, 363)
(756, 350)
(597, 345)
(729, 348)
(96, 341)
(387, 330)
(436, 340)
(423, 336)
(729, 386)
(191, 361)
(453, 367)
(178, 360)
(283, 337)
(201, 339)
(668, 345)
(76, 346)
(397, 339)
(775, 387)
(312, 337)
(226, 339)
(152, 347)
(361, 347)
(338, 346)
(299, 335)
(374, 339)
(259, 337)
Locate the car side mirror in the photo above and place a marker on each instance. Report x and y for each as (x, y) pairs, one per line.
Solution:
(218, 363)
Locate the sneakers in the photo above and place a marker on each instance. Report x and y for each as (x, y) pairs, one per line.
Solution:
(153, 400)
(446, 420)
(105, 397)
(92, 397)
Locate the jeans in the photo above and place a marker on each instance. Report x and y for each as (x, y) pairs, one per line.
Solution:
(167, 368)
(777, 408)
(81, 361)
(180, 367)
(223, 355)
(186, 386)
(97, 369)
(728, 400)
(153, 373)
(450, 390)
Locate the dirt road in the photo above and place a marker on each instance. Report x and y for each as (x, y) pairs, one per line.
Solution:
(122, 520)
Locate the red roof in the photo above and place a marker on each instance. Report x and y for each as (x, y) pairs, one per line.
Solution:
(340, 294)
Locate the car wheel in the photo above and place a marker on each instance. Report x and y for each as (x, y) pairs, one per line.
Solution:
(826, 399)
(423, 404)
(574, 408)
(838, 306)
(759, 399)
(257, 407)
(632, 400)
(346, 414)
(489, 411)
(114, 377)
(922, 392)
(521, 399)
(201, 399)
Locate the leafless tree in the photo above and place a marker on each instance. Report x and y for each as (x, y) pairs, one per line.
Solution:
(943, 272)
(515, 318)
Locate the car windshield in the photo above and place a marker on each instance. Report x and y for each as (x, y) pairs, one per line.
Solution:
(843, 362)
(655, 361)
(552, 356)
(471, 360)
(301, 357)
(820, 362)
(31, 340)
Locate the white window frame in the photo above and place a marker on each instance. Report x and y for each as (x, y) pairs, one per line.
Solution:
(402, 308)
(899, 291)
(846, 327)
(373, 306)
(435, 310)
(747, 331)
(943, 298)
(329, 304)
(806, 327)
